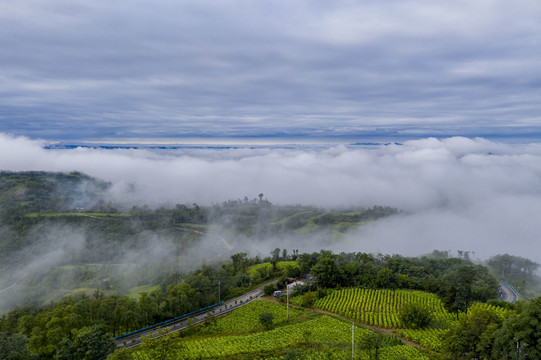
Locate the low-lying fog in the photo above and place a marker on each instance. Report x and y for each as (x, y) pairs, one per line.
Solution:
(455, 193)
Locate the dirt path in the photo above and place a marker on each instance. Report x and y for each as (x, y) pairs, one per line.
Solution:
(9, 287)
(227, 245)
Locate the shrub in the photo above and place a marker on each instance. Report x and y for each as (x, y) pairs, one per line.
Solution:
(415, 316)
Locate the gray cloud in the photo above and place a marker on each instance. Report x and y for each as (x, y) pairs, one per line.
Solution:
(196, 68)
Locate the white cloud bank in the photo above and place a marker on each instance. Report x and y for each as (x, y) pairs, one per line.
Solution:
(456, 193)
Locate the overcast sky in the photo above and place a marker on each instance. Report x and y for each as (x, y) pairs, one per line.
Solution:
(72, 70)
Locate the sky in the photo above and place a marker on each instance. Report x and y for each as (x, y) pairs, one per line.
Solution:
(394, 70)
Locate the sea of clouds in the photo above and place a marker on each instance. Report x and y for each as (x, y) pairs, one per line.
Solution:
(454, 193)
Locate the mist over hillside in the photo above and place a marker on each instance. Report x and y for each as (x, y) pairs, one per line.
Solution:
(455, 193)
(170, 210)
(62, 235)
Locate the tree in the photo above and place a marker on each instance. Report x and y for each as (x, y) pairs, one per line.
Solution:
(459, 294)
(205, 288)
(210, 320)
(275, 254)
(120, 354)
(291, 271)
(415, 316)
(473, 334)
(89, 343)
(240, 262)
(466, 275)
(269, 289)
(385, 279)
(266, 319)
(160, 346)
(181, 299)
(522, 332)
(367, 270)
(372, 342)
(308, 299)
(327, 271)
(13, 347)
(306, 261)
(513, 266)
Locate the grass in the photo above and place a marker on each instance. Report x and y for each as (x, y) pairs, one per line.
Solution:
(134, 292)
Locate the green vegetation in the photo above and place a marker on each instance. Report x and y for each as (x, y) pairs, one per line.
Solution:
(431, 338)
(415, 316)
(284, 267)
(245, 319)
(58, 219)
(520, 272)
(76, 269)
(381, 308)
(135, 292)
(307, 335)
(389, 309)
(39, 191)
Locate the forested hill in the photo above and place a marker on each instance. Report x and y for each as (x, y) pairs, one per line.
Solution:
(39, 191)
(60, 233)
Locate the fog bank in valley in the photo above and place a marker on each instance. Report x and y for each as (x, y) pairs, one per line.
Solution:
(454, 193)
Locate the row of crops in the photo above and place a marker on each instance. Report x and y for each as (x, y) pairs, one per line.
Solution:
(246, 318)
(388, 353)
(315, 336)
(429, 338)
(381, 308)
(432, 338)
(241, 333)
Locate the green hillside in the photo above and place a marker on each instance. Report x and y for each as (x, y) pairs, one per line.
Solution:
(39, 191)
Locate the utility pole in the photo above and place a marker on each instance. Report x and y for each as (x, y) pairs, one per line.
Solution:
(353, 341)
(287, 296)
(219, 291)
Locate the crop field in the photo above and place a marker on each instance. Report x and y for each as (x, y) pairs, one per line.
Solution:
(313, 335)
(432, 338)
(501, 312)
(429, 338)
(381, 308)
(388, 353)
(246, 318)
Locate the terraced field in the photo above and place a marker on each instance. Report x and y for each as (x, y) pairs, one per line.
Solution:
(308, 334)
(381, 308)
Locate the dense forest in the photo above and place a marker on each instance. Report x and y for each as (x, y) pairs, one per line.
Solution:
(77, 269)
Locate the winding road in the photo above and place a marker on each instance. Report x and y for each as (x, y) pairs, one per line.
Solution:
(507, 293)
(135, 339)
